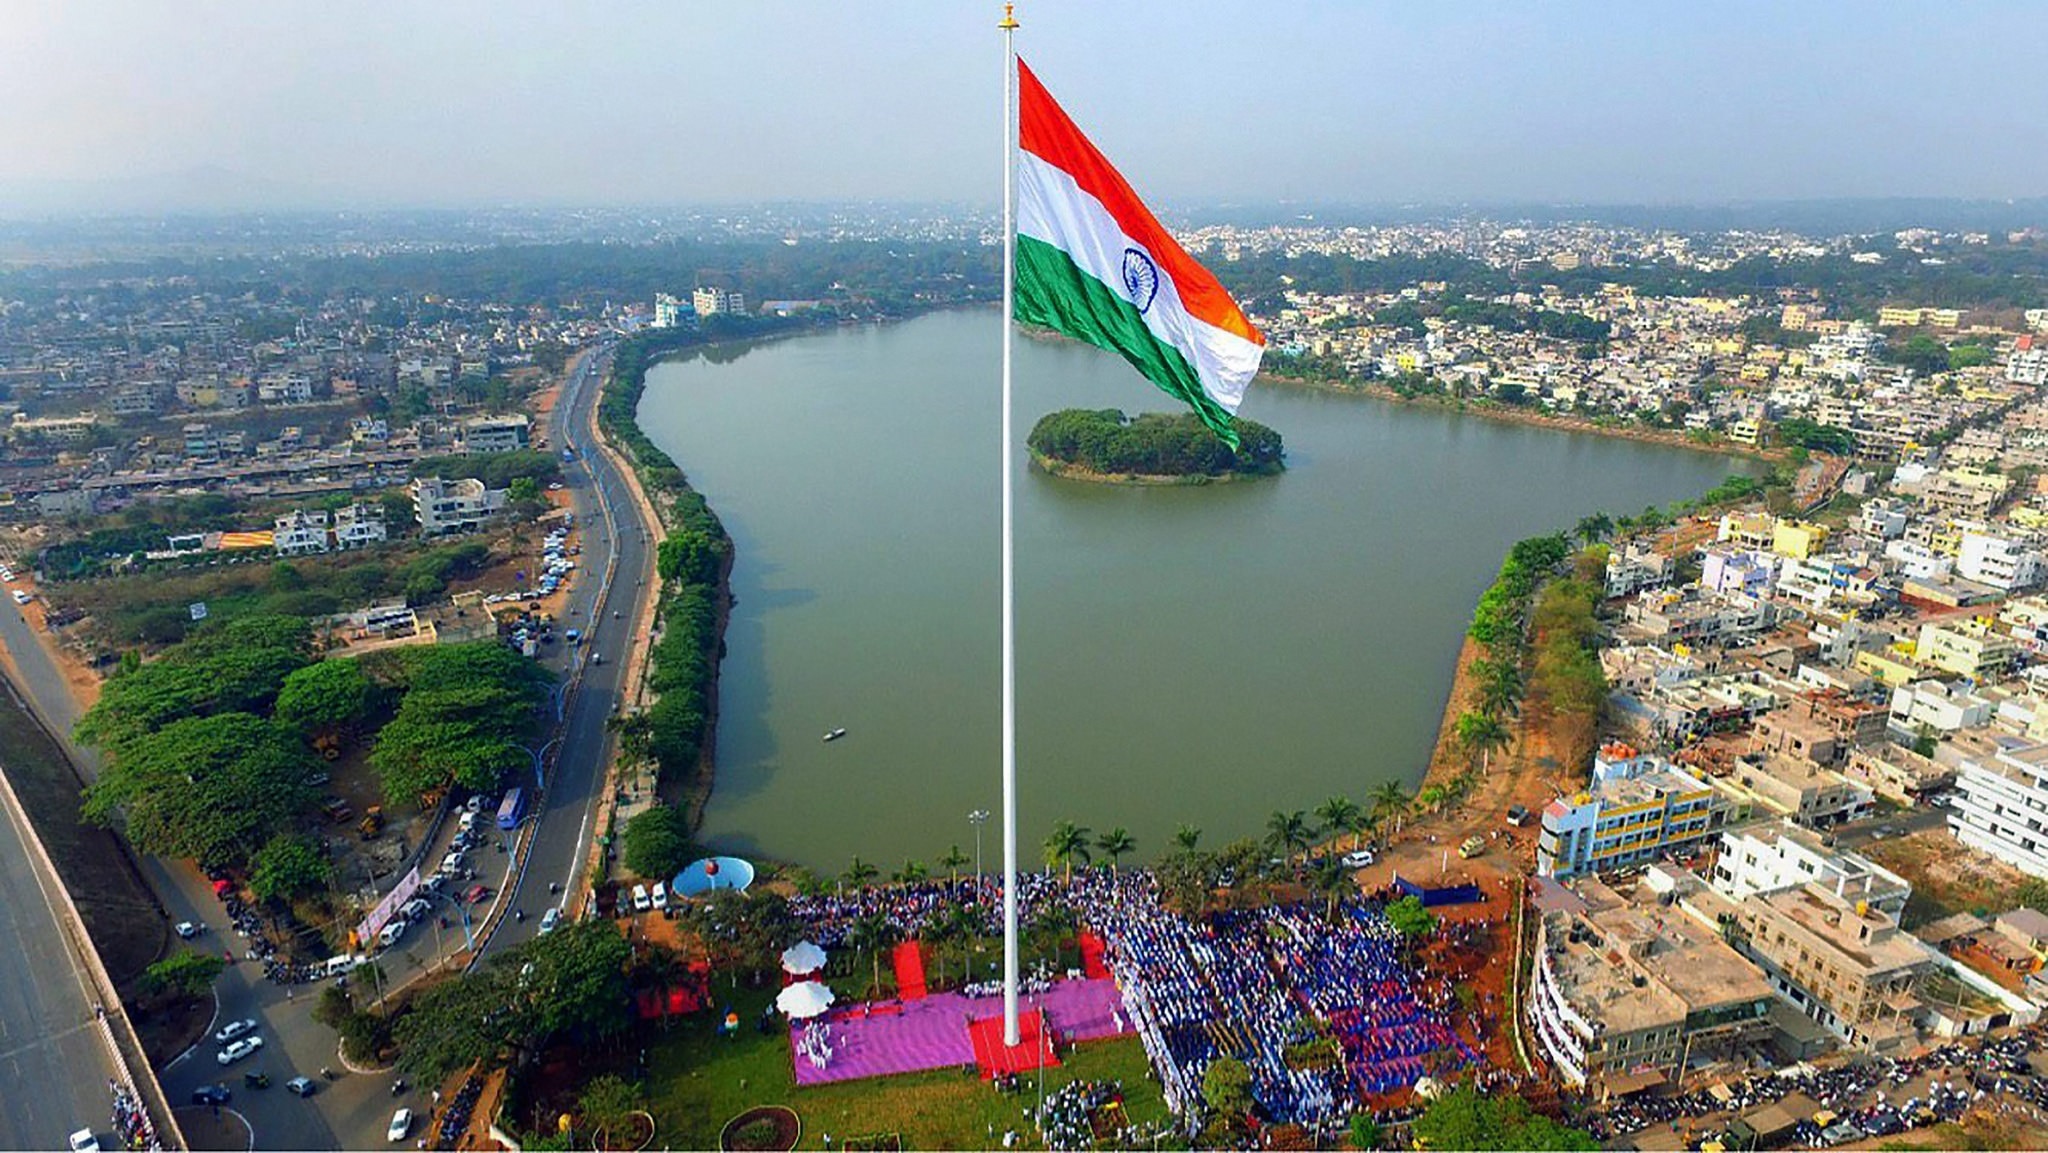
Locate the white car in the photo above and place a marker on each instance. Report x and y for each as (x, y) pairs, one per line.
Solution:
(83, 1141)
(549, 920)
(414, 908)
(641, 903)
(659, 895)
(188, 929)
(392, 932)
(234, 1029)
(1358, 858)
(239, 1050)
(20, 597)
(401, 1124)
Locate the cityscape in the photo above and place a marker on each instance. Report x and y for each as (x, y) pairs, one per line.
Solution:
(1495, 665)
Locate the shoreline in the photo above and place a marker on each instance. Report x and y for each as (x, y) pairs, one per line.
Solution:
(1530, 417)
(1067, 471)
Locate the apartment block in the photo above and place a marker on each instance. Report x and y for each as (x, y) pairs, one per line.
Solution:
(1625, 987)
(1767, 857)
(1638, 808)
(450, 506)
(2001, 804)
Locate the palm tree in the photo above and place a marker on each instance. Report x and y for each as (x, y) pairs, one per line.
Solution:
(1068, 841)
(1330, 878)
(1594, 527)
(1188, 836)
(859, 873)
(1337, 814)
(1114, 844)
(1482, 734)
(1362, 827)
(912, 872)
(871, 931)
(951, 862)
(1289, 832)
(1391, 800)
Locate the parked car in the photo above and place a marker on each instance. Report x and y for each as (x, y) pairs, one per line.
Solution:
(188, 929)
(1358, 858)
(234, 1029)
(239, 1050)
(390, 934)
(83, 1141)
(401, 1124)
(414, 908)
(659, 895)
(549, 920)
(476, 894)
(641, 901)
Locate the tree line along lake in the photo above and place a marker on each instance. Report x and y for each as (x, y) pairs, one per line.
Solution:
(1199, 655)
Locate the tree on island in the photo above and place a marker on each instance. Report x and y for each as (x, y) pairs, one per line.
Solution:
(1107, 441)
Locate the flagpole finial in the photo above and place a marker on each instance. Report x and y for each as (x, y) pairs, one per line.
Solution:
(1009, 23)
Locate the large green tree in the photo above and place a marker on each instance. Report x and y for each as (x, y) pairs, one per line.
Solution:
(213, 788)
(326, 696)
(287, 865)
(571, 982)
(1464, 1119)
(464, 712)
(1067, 841)
(238, 666)
(657, 842)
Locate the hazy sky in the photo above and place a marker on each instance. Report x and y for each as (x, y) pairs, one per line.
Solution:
(452, 101)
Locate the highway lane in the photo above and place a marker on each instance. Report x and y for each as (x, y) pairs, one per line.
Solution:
(54, 1064)
(610, 603)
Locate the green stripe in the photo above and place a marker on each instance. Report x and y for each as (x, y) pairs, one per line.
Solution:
(1054, 292)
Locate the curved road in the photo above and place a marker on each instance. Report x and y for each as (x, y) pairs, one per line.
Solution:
(350, 1111)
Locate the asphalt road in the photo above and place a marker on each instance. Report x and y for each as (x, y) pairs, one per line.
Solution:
(605, 603)
(351, 1110)
(54, 1065)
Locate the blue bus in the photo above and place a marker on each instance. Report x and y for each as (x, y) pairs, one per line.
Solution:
(511, 809)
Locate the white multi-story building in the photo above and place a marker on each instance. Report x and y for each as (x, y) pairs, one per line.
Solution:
(486, 434)
(446, 506)
(1882, 520)
(715, 301)
(1632, 568)
(1638, 808)
(2001, 805)
(668, 310)
(1763, 858)
(300, 532)
(358, 525)
(2004, 562)
(1943, 708)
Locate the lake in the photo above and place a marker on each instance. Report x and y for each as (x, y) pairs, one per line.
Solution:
(1199, 655)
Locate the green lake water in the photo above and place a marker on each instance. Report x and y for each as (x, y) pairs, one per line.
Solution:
(1201, 655)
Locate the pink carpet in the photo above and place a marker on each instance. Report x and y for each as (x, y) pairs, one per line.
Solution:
(933, 1033)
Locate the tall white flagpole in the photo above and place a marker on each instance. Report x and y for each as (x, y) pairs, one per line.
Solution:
(1011, 1035)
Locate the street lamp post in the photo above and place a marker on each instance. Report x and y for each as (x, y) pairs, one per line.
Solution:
(977, 818)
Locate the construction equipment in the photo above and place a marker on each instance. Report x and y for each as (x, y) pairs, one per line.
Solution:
(372, 823)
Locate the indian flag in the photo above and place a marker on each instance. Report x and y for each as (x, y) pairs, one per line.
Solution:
(1094, 264)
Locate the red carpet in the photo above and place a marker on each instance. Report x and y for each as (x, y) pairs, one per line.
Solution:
(1092, 948)
(1030, 1051)
(909, 971)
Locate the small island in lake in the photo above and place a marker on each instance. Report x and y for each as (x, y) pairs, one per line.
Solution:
(1150, 448)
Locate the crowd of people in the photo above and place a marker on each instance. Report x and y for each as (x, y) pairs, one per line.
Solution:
(1067, 1119)
(813, 1041)
(1875, 1095)
(455, 1119)
(132, 1126)
(1259, 985)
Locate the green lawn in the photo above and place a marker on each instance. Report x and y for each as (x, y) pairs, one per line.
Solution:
(697, 1081)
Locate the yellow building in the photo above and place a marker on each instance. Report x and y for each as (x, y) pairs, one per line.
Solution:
(1891, 667)
(1899, 317)
(1798, 538)
(1941, 317)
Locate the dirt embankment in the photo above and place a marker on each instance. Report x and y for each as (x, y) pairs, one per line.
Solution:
(120, 912)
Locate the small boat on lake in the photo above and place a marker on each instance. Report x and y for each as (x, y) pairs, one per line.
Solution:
(835, 734)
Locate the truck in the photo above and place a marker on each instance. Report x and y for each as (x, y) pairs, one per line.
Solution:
(1474, 845)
